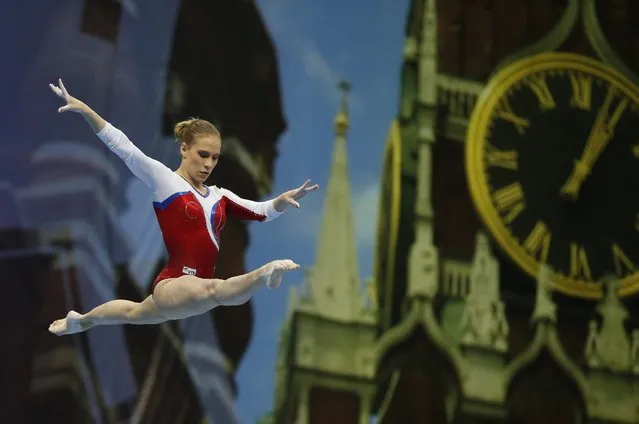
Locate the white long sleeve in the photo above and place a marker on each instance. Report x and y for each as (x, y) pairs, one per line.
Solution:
(149, 170)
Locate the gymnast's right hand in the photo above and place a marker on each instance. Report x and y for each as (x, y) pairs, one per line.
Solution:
(73, 104)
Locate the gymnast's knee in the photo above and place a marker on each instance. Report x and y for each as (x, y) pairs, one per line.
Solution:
(211, 289)
(138, 314)
(218, 291)
(132, 312)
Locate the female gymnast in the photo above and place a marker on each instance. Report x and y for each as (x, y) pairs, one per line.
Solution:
(191, 216)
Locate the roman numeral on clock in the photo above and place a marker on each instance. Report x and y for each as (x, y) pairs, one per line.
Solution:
(538, 241)
(623, 265)
(579, 266)
(509, 201)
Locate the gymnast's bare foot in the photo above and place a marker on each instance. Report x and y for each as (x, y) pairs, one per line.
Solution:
(274, 271)
(73, 323)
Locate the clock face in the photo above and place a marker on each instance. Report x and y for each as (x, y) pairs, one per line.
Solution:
(553, 166)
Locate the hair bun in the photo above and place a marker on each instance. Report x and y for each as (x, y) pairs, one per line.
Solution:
(180, 129)
(185, 131)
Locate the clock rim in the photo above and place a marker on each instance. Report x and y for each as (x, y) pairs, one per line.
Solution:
(392, 175)
(478, 126)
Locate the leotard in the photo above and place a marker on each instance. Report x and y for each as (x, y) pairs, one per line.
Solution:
(190, 221)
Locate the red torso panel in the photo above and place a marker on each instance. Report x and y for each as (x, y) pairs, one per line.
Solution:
(191, 224)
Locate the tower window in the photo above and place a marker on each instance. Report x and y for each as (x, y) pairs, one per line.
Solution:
(101, 18)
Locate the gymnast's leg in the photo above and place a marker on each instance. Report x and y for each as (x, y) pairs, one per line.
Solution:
(187, 295)
(114, 312)
(176, 298)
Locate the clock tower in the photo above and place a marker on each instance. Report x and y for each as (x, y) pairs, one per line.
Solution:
(505, 264)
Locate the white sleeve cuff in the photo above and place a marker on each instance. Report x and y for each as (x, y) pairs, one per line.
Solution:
(103, 134)
(271, 212)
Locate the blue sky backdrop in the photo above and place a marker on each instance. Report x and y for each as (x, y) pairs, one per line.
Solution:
(319, 43)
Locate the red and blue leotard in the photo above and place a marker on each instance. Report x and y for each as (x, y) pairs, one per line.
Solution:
(189, 220)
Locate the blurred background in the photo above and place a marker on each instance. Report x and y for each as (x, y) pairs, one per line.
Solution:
(412, 306)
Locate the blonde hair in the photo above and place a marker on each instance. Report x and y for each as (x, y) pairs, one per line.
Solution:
(186, 131)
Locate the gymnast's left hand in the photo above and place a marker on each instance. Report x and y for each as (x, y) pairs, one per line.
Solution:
(291, 197)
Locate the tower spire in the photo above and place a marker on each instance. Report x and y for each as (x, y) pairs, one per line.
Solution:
(334, 282)
(342, 120)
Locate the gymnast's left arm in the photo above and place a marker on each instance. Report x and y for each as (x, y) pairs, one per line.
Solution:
(269, 209)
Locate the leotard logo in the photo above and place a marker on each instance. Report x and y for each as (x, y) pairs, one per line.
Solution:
(189, 271)
(192, 209)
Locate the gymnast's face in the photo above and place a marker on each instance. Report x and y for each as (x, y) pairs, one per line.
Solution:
(201, 156)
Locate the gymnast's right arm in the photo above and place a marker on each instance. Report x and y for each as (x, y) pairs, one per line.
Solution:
(145, 168)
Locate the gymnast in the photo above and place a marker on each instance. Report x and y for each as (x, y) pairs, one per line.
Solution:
(191, 216)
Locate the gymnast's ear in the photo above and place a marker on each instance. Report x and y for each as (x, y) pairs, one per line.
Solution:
(183, 149)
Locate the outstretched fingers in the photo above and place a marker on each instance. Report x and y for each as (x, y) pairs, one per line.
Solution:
(64, 90)
(277, 270)
(304, 189)
(61, 91)
(61, 94)
(56, 90)
(289, 264)
(303, 186)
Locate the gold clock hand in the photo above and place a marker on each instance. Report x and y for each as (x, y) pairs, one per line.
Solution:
(596, 143)
(601, 133)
